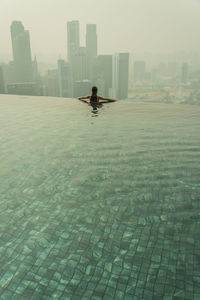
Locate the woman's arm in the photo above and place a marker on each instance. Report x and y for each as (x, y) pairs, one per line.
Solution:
(83, 97)
(108, 99)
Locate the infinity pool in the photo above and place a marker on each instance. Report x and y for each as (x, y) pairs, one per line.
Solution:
(99, 204)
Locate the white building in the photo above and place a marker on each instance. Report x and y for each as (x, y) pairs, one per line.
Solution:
(73, 38)
(91, 48)
(79, 65)
(64, 79)
(120, 76)
(21, 53)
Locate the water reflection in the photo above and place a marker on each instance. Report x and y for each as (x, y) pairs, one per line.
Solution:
(95, 112)
(95, 106)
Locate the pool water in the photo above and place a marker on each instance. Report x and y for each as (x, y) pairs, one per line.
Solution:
(99, 204)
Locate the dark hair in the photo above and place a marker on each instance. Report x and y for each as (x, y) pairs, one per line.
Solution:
(93, 98)
(94, 90)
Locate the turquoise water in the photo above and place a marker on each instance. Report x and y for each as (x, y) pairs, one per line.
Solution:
(102, 205)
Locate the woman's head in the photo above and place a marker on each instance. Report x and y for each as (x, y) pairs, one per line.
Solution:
(94, 90)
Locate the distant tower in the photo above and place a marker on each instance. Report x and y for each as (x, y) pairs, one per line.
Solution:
(21, 52)
(50, 81)
(80, 65)
(184, 73)
(2, 82)
(81, 87)
(91, 47)
(35, 69)
(120, 76)
(64, 79)
(103, 73)
(91, 40)
(139, 71)
(73, 39)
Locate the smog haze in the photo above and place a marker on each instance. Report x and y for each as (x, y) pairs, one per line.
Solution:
(128, 25)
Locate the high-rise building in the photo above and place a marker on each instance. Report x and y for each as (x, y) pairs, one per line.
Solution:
(79, 65)
(2, 82)
(91, 47)
(120, 77)
(172, 69)
(21, 52)
(9, 73)
(103, 73)
(73, 39)
(154, 75)
(23, 88)
(51, 86)
(184, 73)
(147, 76)
(35, 69)
(91, 40)
(139, 71)
(82, 88)
(100, 83)
(64, 79)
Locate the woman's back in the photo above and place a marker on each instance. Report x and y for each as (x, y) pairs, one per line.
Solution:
(94, 99)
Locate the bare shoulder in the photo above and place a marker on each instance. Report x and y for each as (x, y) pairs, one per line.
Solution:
(107, 99)
(87, 97)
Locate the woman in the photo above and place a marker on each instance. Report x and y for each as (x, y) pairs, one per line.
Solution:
(94, 99)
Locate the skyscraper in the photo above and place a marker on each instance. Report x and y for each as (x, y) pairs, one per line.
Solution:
(50, 80)
(64, 79)
(120, 77)
(139, 71)
(35, 69)
(103, 73)
(73, 39)
(2, 83)
(21, 52)
(81, 88)
(91, 40)
(184, 73)
(79, 65)
(91, 47)
(9, 73)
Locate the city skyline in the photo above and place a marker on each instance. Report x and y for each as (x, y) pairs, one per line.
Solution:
(118, 75)
(74, 76)
(137, 26)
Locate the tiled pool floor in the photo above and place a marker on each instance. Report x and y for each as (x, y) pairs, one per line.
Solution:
(104, 207)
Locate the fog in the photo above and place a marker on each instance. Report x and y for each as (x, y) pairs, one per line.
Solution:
(122, 25)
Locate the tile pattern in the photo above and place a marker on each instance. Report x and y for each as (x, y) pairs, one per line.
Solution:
(104, 207)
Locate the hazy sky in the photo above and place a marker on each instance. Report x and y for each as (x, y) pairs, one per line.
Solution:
(133, 25)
